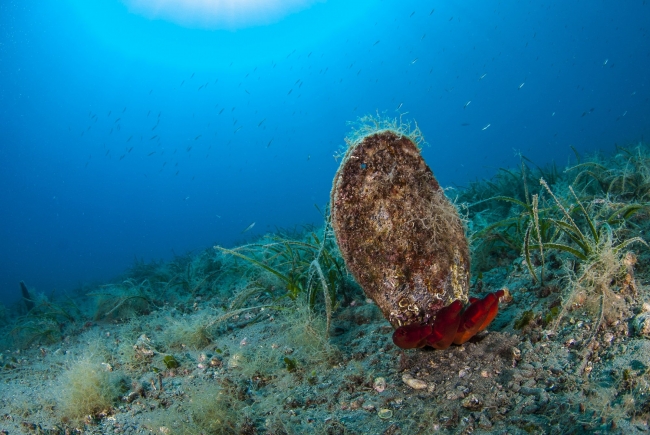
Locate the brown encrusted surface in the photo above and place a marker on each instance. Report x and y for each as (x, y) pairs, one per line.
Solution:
(399, 235)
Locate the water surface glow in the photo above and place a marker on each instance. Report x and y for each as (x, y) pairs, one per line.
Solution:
(218, 14)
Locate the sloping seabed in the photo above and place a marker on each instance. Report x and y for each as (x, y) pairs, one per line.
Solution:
(237, 341)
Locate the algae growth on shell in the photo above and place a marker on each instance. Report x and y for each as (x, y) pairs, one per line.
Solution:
(399, 235)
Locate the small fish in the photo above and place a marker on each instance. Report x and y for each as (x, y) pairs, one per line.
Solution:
(486, 127)
(269, 144)
(605, 63)
(290, 90)
(151, 153)
(182, 82)
(122, 156)
(124, 110)
(109, 113)
(482, 77)
(221, 111)
(399, 107)
(192, 76)
(521, 85)
(464, 124)
(130, 137)
(376, 42)
(153, 137)
(238, 128)
(261, 122)
(414, 60)
(117, 120)
(467, 104)
(186, 198)
(248, 227)
(200, 87)
(130, 149)
(412, 13)
(198, 137)
(189, 148)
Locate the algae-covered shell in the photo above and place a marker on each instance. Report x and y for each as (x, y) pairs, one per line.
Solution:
(399, 235)
(641, 324)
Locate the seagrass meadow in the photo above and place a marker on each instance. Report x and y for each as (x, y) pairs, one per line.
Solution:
(275, 337)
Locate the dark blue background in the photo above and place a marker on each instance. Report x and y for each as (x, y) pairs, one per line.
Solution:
(79, 78)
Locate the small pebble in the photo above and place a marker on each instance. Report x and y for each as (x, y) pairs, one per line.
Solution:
(416, 384)
(641, 324)
(472, 402)
(379, 384)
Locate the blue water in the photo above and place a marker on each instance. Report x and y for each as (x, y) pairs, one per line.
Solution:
(125, 135)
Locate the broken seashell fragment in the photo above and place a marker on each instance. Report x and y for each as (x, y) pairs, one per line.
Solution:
(379, 384)
(385, 414)
(416, 384)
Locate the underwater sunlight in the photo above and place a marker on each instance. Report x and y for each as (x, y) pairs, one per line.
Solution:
(218, 14)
